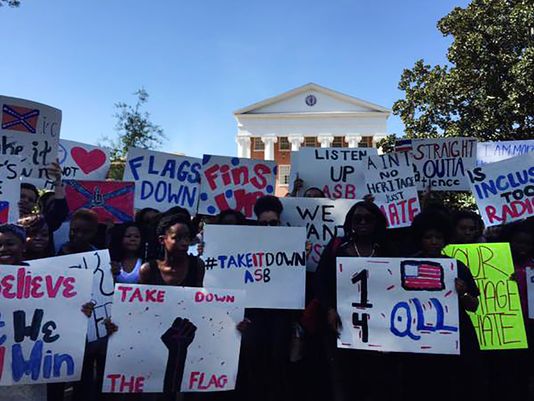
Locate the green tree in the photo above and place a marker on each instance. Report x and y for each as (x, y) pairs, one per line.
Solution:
(10, 3)
(486, 90)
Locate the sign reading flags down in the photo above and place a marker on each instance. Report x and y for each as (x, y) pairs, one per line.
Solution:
(338, 172)
(163, 180)
(110, 200)
(97, 262)
(491, 152)
(268, 262)
(498, 320)
(42, 330)
(9, 188)
(504, 191)
(399, 305)
(441, 163)
(29, 130)
(389, 178)
(234, 183)
(323, 219)
(193, 343)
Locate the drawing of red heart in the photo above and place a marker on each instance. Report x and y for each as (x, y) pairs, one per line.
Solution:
(88, 161)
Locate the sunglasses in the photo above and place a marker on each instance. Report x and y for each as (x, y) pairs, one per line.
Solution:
(272, 223)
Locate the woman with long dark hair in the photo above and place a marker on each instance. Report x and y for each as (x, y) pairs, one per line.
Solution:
(126, 252)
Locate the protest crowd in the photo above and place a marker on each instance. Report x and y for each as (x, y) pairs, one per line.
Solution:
(196, 282)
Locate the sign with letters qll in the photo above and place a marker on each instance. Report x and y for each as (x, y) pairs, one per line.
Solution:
(42, 330)
(323, 219)
(491, 152)
(399, 305)
(338, 172)
(173, 339)
(97, 262)
(441, 163)
(389, 178)
(268, 262)
(29, 130)
(498, 320)
(234, 183)
(163, 180)
(9, 188)
(504, 191)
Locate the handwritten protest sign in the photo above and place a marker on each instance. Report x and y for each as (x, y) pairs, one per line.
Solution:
(268, 262)
(491, 152)
(504, 191)
(234, 183)
(498, 320)
(42, 330)
(389, 178)
(98, 263)
(9, 188)
(441, 163)
(338, 172)
(173, 338)
(530, 289)
(163, 180)
(399, 305)
(111, 200)
(323, 219)
(31, 131)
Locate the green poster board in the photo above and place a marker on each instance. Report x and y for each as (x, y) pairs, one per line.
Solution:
(498, 320)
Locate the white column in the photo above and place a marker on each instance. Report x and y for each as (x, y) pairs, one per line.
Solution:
(295, 141)
(325, 140)
(269, 142)
(243, 146)
(353, 140)
(377, 138)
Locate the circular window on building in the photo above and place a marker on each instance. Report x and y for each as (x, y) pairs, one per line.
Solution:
(311, 100)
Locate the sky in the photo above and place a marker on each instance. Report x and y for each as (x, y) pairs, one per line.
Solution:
(202, 60)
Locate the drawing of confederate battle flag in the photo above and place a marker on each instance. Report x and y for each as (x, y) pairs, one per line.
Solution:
(111, 200)
(4, 212)
(18, 118)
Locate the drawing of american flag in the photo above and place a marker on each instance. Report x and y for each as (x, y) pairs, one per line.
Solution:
(4, 212)
(403, 145)
(422, 276)
(19, 118)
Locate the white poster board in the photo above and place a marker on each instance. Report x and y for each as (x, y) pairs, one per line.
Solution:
(31, 131)
(491, 152)
(163, 180)
(530, 289)
(153, 340)
(269, 263)
(9, 188)
(97, 262)
(398, 305)
(42, 329)
(504, 191)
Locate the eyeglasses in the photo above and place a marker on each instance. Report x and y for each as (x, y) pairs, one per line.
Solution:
(272, 223)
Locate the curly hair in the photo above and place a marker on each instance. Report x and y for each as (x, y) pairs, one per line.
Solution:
(268, 203)
(431, 220)
(168, 221)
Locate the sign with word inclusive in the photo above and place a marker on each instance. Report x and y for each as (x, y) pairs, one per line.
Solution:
(498, 320)
(29, 130)
(173, 339)
(42, 330)
(504, 191)
(323, 219)
(97, 262)
(338, 172)
(110, 200)
(491, 152)
(9, 188)
(441, 163)
(268, 262)
(399, 305)
(389, 178)
(163, 180)
(234, 183)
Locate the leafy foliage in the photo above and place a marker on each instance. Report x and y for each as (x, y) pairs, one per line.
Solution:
(10, 3)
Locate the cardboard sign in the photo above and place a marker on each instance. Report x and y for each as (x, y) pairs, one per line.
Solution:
(9, 188)
(498, 320)
(234, 183)
(399, 305)
(530, 289)
(338, 172)
(163, 180)
(98, 263)
(389, 178)
(200, 354)
(504, 191)
(111, 200)
(42, 330)
(323, 219)
(31, 131)
(441, 163)
(491, 152)
(268, 262)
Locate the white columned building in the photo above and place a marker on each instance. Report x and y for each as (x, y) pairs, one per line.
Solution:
(312, 116)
